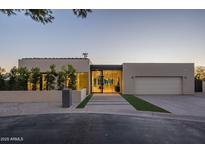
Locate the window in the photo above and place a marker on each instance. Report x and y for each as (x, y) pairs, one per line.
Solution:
(82, 80)
(106, 81)
(38, 86)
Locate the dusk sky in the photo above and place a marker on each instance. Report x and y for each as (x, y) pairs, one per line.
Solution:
(109, 37)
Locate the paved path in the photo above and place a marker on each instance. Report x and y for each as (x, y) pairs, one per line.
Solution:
(109, 103)
(100, 128)
(192, 105)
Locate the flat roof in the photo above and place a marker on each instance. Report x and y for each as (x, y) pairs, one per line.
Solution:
(51, 58)
(106, 67)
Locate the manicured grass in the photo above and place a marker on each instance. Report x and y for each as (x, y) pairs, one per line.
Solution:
(85, 101)
(142, 105)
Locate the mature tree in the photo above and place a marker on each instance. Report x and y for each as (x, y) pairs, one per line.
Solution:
(50, 78)
(12, 76)
(35, 77)
(22, 78)
(200, 73)
(82, 12)
(43, 15)
(2, 79)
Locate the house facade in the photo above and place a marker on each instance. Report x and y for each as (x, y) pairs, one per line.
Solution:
(128, 78)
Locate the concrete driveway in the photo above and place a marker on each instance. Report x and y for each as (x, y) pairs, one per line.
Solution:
(99, 128)
(179, 104)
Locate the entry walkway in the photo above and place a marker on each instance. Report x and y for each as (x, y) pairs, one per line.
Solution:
(109, 103)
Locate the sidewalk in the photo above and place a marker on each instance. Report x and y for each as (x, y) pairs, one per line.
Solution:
(109, 103)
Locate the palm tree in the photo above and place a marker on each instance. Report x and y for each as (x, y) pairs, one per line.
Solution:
(35, 77)
(50, 78)
(2, 79)
(22, 78)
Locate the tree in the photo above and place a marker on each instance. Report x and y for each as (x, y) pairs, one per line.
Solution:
(2, 79)
(50, 78)
(12, 76)
(71, 76)
(67, 77)
(35, 77)
(61, 80)
(22, 78)
(200, 73)
(43, 15)
(82, 12)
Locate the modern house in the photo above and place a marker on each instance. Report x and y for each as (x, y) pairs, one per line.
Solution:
(128, 78)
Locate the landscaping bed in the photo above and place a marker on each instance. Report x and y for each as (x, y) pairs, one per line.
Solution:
(142, 105)
(85, 101)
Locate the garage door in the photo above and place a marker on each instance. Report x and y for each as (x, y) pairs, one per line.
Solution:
(158, 85)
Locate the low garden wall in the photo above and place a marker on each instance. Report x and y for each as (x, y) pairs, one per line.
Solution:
(78, 95)
(203, 86)
(52, 96)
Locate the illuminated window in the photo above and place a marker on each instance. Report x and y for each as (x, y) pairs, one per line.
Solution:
(43, 82)
(107, 81)
(30, 85)
(96, 81)
(82, 80)
(67, 82)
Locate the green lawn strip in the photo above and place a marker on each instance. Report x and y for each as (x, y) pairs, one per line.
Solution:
(85, 101)
(142, 105)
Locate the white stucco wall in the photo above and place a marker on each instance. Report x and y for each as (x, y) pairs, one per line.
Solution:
(183, 70)
(40, 96)
(83, 94)
(78, 95)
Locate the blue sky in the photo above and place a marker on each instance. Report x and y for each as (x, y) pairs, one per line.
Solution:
(109, 36)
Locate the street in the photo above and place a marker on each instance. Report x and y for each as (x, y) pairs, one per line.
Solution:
(99, 128)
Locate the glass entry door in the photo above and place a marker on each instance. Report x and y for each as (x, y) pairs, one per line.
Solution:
(106, 81)
(97, 81)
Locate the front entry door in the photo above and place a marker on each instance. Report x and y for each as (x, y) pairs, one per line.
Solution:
(106, 81)
(97, 82)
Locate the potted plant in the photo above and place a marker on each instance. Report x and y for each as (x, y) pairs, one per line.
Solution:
(117, 87)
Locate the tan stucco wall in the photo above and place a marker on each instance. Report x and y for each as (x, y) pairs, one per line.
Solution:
(183, 70)
(31, 96)
(80, 64)
(53, 96)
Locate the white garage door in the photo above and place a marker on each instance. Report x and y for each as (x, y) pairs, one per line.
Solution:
(158, 85)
